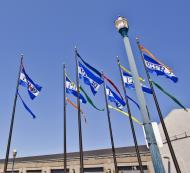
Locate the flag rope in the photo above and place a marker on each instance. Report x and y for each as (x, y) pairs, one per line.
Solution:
(169, 95)
(89, 100)
(125, 113)
(76, 107)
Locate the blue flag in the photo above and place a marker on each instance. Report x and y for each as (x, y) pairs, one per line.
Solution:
(33, 88)
(128, 80)
(98, 73)
(89, 78)
(26, 107)
(72, 89)
(113, 97)
(89, 66)
(160, 69)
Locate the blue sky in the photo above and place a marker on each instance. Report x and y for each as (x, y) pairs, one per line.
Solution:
(46, 32)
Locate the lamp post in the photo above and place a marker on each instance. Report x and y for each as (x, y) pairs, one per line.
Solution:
(14, 156)
(169, 165)
(122, 26)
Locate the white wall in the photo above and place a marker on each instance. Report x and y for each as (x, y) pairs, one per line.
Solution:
(178, 125)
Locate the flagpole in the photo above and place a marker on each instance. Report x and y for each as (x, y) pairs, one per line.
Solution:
(79, 117)
(110, 127)
(122, 26)
(12, 119)
(65, 123)
(159, 112)
(130, 120)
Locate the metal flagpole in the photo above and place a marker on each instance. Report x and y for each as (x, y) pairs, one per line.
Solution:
(12, 119)
(122, 26)
(79, 117)
(130, 119)
(160, 113)
(110, 127)
(65, 123)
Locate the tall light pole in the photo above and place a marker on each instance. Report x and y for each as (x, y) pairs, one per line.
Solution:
(122, 26)
(14, 156)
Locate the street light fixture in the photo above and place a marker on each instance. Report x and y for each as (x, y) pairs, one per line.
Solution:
(121, 23)
(14, 153)
(169, 165)
(122, 26)
(14, 156)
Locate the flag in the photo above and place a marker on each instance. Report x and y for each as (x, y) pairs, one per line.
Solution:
(72, 89)
(127, 71)
(114, 86)
(169, 95)
(128, 80)
(153, 65)
(89, 66)
(99, 73)
(89, 99)
(89, 78)
(143, 49)
(125, 113)
(113, 97)
(25, 81)
(26, 107)
(133, 101)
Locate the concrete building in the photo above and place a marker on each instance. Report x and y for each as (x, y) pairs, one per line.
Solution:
(178, 125)
(96, 161)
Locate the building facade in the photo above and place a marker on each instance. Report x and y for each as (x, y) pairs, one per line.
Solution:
(178, 126)
(96, 161)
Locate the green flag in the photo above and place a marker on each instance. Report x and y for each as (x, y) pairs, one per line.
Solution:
(169, 95)
(89, 100)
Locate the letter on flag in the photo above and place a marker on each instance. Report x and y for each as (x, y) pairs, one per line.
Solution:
(113, 97)
(160, 69)
(89, 78)
(72, 89)
(25, 81)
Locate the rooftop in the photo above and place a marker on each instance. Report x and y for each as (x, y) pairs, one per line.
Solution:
(92, 153)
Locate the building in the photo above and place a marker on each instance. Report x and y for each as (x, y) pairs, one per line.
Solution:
(96, 161)
(178, 125)
(99, 161)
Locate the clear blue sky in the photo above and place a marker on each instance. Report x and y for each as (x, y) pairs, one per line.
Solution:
(47, 31)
